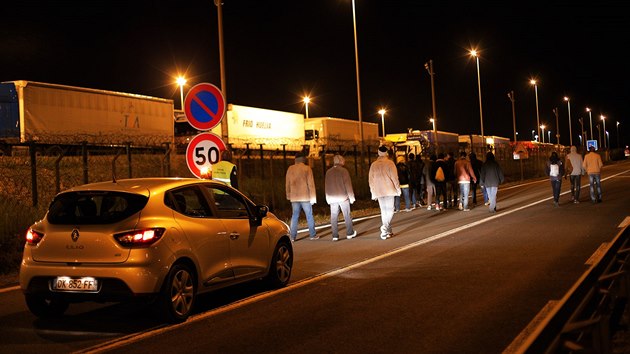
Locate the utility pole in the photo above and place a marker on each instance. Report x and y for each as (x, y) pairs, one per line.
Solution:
(511, 97)
(429, 67)
(555, 111)
(224, 122)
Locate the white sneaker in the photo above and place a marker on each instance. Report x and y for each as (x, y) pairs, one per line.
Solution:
(336, 238)
(352, 235)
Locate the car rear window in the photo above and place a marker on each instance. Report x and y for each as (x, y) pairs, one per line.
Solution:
(94, 207)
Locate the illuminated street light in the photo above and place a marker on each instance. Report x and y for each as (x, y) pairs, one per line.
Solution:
(591, 121)
(549, 136)
(382, 113)
(473, 53)
(543, 134)
(533, 134)
(617, 134)
(181, 81)
(356, 59)
(569, 109)
(533, 82)
(604, 121)
(432, 121)
(306, 101)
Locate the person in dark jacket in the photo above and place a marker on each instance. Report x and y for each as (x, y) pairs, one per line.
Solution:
(403, 179)
(555, 171)
(452, 188)
(476, 165)
(440, 186)
(491, 176)
(416, 180)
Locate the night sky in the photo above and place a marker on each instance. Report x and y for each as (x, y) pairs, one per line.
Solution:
(278, 51)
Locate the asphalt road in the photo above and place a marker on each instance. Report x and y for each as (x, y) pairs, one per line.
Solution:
(448, 282)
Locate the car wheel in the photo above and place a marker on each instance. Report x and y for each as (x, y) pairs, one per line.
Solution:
(44, 307)
(281, 265)
(178, 293)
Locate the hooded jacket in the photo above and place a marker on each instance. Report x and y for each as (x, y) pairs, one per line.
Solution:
(574, 163)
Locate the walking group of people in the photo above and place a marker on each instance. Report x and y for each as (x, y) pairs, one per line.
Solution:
(442, 177)
(576, 167)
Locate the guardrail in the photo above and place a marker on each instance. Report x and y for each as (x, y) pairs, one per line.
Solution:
(586, 318)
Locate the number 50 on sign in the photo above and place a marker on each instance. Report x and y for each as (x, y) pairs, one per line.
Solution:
(204, 150)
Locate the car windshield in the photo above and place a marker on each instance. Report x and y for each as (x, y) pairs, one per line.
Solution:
(94, 207)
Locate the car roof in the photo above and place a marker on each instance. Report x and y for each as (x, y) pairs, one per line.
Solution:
(138, 185)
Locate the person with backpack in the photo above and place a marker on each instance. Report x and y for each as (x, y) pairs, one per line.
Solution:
(555, 171)
(403, 179)
(438, 177)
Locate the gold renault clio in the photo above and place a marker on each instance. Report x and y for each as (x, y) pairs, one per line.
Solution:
(169, 239)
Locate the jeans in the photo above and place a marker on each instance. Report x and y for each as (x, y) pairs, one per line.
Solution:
(464, 190)
(556, 185)
(405, 192)
(430, 194)
(334, 217)
(492, 197)
(308, 211)
(386, 204)
(576, 181)
(440, 191)
(595, 179)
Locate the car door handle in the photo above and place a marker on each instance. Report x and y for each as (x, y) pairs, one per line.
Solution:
(234, 235)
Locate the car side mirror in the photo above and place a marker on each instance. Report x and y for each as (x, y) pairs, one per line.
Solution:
(260, 211)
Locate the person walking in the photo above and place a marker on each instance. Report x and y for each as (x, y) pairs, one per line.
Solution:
(476, 166)
(339, 195)
(416, 180)
(300, 190)
(438, 177)
(430, 186)
(593, 165)
(491, 176)
(555, 170)
(452, 190)
(403, 180)
(574, 170)
(384, 187)
(225, 170)
(464, 175)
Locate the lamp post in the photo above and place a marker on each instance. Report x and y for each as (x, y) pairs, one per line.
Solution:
(590, 117)
(569, 109)
(473, 52)
(511, 97)
(382, 113)
(617, 134)
(549, 136)
(306, 101)
(533, 134)
(432, 120)
(555, 112)
(224, 122)
(604, 121)
(356, 59)
(599, 139)
(543, 134)
(533, 82)
(181, 81)
(429, 67)
(582, 132)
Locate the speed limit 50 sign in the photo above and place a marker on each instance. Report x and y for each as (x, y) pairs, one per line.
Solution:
(203, 151)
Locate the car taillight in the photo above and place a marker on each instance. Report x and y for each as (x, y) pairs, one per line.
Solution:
(33, 237)
(139, 238)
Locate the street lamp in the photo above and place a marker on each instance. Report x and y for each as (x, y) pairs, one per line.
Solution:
(617, 134)
(549, 136)
(181, 81)
(604, 121)
(356, 59)
(511, 97)
(429, 67)
(382, 113)
(533, 82)
(432, 120)
(533, 134)
(569, 109)
(591, 121)
(582, 132)
(543, 134)
(473, 52)
(306, 101)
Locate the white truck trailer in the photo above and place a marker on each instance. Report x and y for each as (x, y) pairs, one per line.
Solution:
(51, 114)
(337, 133)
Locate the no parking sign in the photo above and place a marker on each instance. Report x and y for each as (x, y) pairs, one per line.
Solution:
(204, 106)
(203, 151)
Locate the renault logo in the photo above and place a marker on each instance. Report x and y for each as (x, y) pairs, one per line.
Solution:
(75, 235)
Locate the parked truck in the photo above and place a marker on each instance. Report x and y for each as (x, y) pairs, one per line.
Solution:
(334, 133)
(66, 116)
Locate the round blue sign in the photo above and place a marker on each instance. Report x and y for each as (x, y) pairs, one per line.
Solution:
(204, 106)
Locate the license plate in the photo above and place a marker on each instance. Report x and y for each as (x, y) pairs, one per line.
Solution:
(83, 284)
